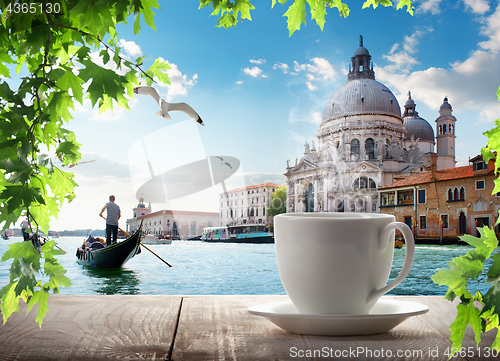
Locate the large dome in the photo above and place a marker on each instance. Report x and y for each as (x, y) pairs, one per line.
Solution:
(361, 96)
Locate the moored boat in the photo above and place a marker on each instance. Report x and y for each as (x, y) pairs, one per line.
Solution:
(112, 256)
(156, 239)
(398, 243)
(246, 233)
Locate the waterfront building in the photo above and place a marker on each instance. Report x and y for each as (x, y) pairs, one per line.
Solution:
(184, 224)
(364, 143)
(447, 203)
(247, 204)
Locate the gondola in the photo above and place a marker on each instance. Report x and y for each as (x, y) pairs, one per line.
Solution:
(112, 256)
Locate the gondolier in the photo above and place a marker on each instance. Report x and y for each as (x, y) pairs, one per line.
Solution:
(113, 214)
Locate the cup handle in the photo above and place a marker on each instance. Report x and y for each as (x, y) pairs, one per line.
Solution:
(409, 254)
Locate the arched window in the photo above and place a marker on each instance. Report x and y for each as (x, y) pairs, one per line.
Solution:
(370, 148)
(355, 149)
(455, 195)
(450, 129)
(462, 223)
(450, 194)
(462, 193)
(364, 183)
(440, 129)
(192, 229)
(310, 198)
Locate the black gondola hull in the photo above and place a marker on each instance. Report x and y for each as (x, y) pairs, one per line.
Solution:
(113, 256)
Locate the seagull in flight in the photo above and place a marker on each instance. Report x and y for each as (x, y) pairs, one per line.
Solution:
(223, 162)
(166, 107)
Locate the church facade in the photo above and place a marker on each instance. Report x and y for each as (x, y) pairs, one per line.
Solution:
(364, 143)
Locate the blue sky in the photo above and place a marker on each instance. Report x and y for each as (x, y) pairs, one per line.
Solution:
(260, 92)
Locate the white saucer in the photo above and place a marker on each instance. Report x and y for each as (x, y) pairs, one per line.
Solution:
(385, 315)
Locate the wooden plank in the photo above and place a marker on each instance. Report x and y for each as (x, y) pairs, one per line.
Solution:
(93, 328)
(220, 328)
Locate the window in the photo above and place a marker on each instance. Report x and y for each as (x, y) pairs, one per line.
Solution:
(387, 199)
(421, 196)
(450, 194)
(354, 149)
(263, 211)
(462, 194)
(340, 206)
(455, 195)
(423, 222)
(310, 198)
(480, 184)
(364, 183)
(370, 148)
(479, 166)
(444, 221)
(405, 197)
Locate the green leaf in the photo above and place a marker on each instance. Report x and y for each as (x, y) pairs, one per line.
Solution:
(452, 278)
(467, 314)
(9, 302)
(16, 195)
(375, 3)
(73, 82)
(408, 4)
(158, 69)
(41, 298)
(296, 15)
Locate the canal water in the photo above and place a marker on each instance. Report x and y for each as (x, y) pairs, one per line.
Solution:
(201, 268)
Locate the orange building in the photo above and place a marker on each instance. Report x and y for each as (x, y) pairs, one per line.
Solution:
(442, 205)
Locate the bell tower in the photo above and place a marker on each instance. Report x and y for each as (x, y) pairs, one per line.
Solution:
(360, 67)
(445, 139)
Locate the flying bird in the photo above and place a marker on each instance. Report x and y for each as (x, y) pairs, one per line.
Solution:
(166, 107)
(223, 162)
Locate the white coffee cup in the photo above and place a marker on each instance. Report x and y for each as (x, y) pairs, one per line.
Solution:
(338, 263)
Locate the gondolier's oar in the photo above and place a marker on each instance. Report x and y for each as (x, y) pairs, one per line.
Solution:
(142, 244)
(168, 264)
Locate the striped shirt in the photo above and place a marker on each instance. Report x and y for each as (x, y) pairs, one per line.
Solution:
(113, 210)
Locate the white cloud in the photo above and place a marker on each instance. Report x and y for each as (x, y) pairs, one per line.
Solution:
(489, 113)
(239, 82)
(255, 72)
(472, 83)
(492, 31)
(284, 67)
(477, 6)
(311, 86)
(429, 6)
(257, 61)
(318, 70)
(131, 48)
(403, 60)
(316, 118)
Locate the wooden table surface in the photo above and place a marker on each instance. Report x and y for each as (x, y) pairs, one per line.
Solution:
(213, 328)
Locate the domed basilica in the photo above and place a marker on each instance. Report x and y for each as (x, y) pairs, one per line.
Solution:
(364, 143)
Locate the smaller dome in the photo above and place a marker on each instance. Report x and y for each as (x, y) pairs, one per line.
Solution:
(410, 103)
(361, 51)
(419, 128)
(445, 104)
